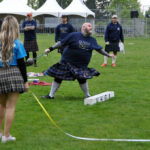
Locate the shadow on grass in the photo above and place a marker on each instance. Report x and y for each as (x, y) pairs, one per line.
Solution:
(70, 98)
(64, 98)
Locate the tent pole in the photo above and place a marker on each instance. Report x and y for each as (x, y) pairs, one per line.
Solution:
(58, 18)
(85, 17)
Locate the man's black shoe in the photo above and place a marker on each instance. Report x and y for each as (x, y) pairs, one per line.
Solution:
(47, 97)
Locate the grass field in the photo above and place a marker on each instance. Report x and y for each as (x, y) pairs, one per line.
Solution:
(125, 116)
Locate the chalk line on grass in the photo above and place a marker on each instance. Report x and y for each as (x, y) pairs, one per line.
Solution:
(85, 138)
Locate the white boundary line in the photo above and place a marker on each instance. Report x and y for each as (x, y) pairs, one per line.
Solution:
(113, 140)
(84, 138)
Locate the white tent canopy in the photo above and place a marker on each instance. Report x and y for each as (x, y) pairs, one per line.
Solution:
(16, 7)
(25, 1)
(77, 7)
(50, 7)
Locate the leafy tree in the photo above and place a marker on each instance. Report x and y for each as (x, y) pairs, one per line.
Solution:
(99, 7)
(33, 4)
(64, 3)
(91, 4)
(40, 3)
(147, 13)
(124, 7)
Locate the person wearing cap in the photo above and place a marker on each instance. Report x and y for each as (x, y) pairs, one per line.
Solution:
(30, 42)
(62, 30)
(113, 35)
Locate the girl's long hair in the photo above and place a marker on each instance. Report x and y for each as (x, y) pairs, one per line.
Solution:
(9, 32)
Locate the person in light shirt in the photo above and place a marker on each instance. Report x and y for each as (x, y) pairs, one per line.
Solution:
(13, 77)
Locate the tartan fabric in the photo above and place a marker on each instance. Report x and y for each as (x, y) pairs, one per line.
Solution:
(31, 46)
(67, 71)
(11, 80)
(112, 47)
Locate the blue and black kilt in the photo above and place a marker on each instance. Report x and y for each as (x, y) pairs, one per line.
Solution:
(67, 71)
(114, 47)
(11, 80)
(31, 46)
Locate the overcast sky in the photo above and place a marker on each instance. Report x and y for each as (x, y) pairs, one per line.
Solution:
(145, 4)
(25, 1)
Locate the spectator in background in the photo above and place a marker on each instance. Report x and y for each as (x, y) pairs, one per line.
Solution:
(30, 42)
(62, 30)
(13, 78)
(113, 35)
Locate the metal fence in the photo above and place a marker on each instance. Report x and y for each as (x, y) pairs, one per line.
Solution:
(131, 27)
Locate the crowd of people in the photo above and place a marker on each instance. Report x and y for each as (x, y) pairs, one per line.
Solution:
(75, 47)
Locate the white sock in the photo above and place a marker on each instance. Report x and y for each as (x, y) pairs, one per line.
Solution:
(85, 89)
(114, 60)
(105, 59)
(54, 88)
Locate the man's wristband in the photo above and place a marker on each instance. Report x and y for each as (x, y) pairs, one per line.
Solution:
(51, 49)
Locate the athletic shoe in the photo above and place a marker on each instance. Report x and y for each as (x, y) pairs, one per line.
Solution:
(28, 64)
(88, 96)
(47, 97)
(35, 65)
(104, 65)
(0, 135)
(114, 65)
(7, 139)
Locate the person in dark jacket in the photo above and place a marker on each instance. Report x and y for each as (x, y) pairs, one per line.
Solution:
(62, 30)
(75, 59)
(113, 35)
(30, 42)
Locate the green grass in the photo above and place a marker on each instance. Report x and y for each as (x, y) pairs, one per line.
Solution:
(125, 116)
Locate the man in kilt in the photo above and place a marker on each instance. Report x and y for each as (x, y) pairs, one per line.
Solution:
(113, 35)
(75, 59)
(13, 77)
(62, 30)
(30, 42)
